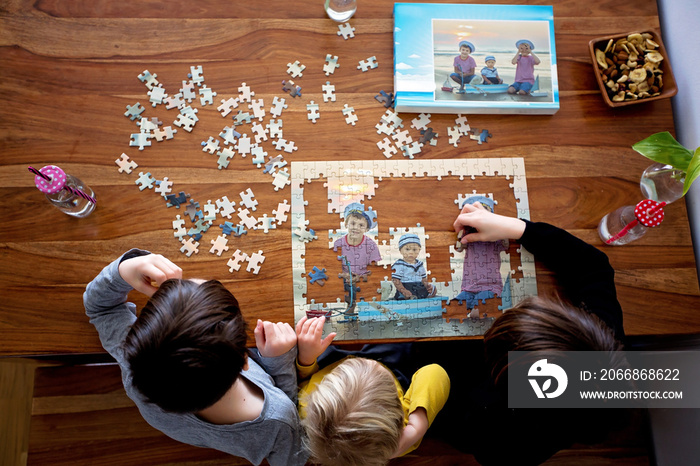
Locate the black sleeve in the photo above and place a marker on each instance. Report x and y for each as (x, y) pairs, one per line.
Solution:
(583, 271)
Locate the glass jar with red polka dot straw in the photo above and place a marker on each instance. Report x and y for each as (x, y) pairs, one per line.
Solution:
(630, 222)
(68, 193)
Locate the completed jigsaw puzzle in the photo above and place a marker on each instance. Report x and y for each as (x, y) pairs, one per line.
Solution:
(375, 278)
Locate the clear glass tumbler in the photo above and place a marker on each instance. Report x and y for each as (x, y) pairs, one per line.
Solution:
(340, 10)
(662, 183)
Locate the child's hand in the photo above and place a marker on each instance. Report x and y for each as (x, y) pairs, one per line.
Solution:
(274, 340)
(414, 431)
(406, 294)
(142, 272)
(309, 342)
(489, 226)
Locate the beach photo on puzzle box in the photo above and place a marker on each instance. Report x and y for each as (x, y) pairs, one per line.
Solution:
(495, 40)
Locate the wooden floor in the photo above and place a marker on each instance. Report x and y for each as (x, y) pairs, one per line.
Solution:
(80, 415)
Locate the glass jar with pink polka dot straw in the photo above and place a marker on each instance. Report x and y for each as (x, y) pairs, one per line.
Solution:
(66, 192)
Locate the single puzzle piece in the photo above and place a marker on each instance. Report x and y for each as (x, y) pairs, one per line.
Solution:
(242, 117)
(346, 31)
(211, 145)
(411, 150)
(145, 180)
(225, 207)
(318, 276)
(428, 136)
(350, 117)
(255, 260)
(157, 94)
(295, 69)
(258, 108)
(274, 163)
(190, 112)
(227, 106)
(312, 108)
(179, 227)
(266, 223)
(245, 218)
(140, 140)
(281, 212)
(387, 147)
(291, 88)
(331, 64)
(192, 210)
(229, 135)
(225, 155)
(454, 135)
(260, 132)
(257, 155)
(421, 122)
(134, 111)
(402, 138)
(164, 187)
(462, 124)
(277, 106)
(369, 64)
(392, 118)
(185, 123)
(189, 247)
(304, 234)
(219, 246)
(247, 199)
(234, 263)
(328, 92)
(207, 95)
(196, 75)
(244, 145)
(246, 93)
(174, 101)
(274, 128)
(166, 133)
(148, 79)
(125, 164)
(385, 99)
(210, 211)
(281, 179)
(187, 91)
(176, 201)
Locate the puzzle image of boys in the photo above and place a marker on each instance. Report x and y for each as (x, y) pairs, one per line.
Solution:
(524, 61)
(464, 65)
(357, 251)
(409, 275)
(481, 279)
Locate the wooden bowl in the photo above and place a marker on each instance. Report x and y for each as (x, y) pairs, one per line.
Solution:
(669, 88)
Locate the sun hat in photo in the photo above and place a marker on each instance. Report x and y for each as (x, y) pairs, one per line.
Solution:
(468, 44)
(408, 238)
(490, 57)
(525, 41)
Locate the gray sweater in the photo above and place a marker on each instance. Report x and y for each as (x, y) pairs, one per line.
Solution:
(275, 435)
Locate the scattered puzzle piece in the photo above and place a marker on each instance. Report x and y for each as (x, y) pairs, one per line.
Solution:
(331, 64)
(346, 31)
(189, 247)
(219, 246)
(255, 260)
(318, 276)
(328, 92)
(312, 108)
(295, 69)
(368, 64)
(125, 164)
(235, 262)
(350, 117)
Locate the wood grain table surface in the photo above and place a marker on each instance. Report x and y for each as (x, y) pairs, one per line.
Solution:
(68, 69)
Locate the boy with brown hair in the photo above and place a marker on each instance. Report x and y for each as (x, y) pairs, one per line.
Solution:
(185, 364)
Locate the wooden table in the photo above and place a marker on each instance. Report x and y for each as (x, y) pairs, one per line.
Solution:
(69, 69)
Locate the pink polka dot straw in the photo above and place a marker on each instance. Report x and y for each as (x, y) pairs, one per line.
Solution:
(51, 179)
(649, 213)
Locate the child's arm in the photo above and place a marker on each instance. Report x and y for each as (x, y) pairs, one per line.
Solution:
(310, 344)
(402, 289)
(537, 60)
(105, 297)
(428, 286)
(276, 345)
(514, 61)
(414, 431)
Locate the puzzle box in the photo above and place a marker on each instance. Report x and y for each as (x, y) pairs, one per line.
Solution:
(355, 225)
(427, 40)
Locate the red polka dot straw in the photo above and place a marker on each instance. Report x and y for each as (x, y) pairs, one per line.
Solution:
(51, 179)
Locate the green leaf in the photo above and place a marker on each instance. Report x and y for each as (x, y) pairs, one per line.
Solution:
(663, 148)
(693, 171)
